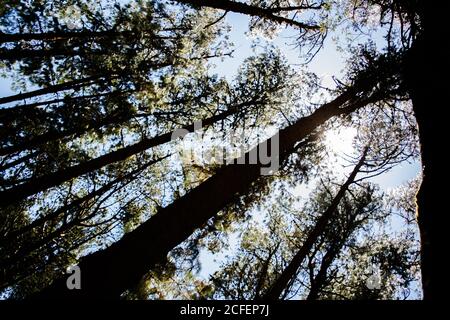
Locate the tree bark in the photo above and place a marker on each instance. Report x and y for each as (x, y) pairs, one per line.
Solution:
(58, 135)
(22, 109)
(291, 270)
(13, 55)
(18, 161)
(421, 70)
(55, 36)
(108, 273)
(250, 10)
(29, 247)
(45, 182)
(318, 283)
(51, 89)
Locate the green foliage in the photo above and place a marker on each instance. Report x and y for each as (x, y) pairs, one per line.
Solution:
(94, 79)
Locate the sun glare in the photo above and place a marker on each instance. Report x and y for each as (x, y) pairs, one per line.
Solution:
(340, 141)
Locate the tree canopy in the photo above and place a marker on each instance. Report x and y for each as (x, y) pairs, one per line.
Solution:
(132, 147)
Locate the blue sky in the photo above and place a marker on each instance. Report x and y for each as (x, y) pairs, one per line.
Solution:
(328, 62)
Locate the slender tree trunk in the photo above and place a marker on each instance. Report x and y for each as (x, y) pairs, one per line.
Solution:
(10, 119)
(250, 10)
(13, 55)
(58, 135)
(318, 283)
(263, 272)
(18, 161)
(77, 202)
(55, 36)
(42, 183)
(29, 247)
(52, 89)
(8, 114)
(290, 271)
(108, 273)
(87, 81)
(422, 68)
(424, 199)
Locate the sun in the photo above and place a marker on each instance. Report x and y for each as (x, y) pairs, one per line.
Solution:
(340, 141)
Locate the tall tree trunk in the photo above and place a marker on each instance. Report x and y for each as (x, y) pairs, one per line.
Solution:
(52, 89)
(55, 36)
(421, 73)
(318, 283)
(264, 272)
(108, 273)
(11, 113)
(45, 182)
(250, 10)
(74, 132)
(28, 247)
(426, 209)
(13, 55)
(291, 270)
(18, 161)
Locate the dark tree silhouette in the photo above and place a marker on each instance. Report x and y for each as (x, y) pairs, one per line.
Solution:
(289, 273)
(96, 104)
(126, 259)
